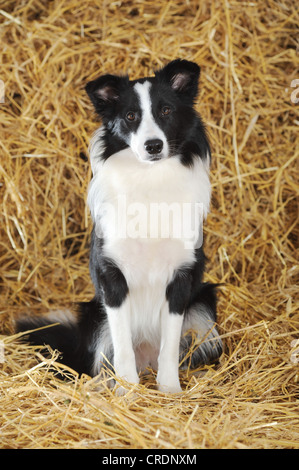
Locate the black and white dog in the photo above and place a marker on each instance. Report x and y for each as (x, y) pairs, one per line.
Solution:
(149, 194)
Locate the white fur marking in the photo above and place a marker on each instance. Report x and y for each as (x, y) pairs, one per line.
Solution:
(102, 347)
(168, 361)
(120, 328)
(148, 128)
(61, 316)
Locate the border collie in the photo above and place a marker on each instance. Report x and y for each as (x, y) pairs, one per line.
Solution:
(148, 197)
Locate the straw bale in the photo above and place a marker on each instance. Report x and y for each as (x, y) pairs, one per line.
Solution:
(248, 52)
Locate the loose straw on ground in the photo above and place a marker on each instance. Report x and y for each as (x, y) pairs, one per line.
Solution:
(248, 56)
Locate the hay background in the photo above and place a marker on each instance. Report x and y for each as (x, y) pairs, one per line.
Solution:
(248, 55)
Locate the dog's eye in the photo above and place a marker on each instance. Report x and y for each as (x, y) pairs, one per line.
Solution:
(131, 116)
(166, 110)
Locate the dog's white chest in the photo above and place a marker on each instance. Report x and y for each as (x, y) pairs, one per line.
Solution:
(150, 215)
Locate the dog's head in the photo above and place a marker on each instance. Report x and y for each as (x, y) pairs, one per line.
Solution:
(151, 115)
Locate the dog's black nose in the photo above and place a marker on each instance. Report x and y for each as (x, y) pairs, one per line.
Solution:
(153, 146)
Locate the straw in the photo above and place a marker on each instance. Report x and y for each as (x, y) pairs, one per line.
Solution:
(248, 53)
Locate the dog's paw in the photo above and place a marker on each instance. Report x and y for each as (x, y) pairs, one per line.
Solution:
(169, 386)
(168, 380)
(120, 391)
(124, 386)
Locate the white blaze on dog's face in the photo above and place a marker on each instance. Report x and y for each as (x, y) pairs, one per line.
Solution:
(148, 142)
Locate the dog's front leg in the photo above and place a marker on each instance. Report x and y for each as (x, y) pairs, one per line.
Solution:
(172, 317)
(168, 360)
(124, 356)
(111, 281)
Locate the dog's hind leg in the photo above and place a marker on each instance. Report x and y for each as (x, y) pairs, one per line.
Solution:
(200, 321)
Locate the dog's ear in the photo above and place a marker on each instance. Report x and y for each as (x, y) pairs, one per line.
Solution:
(104, 92)
(183, 77)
